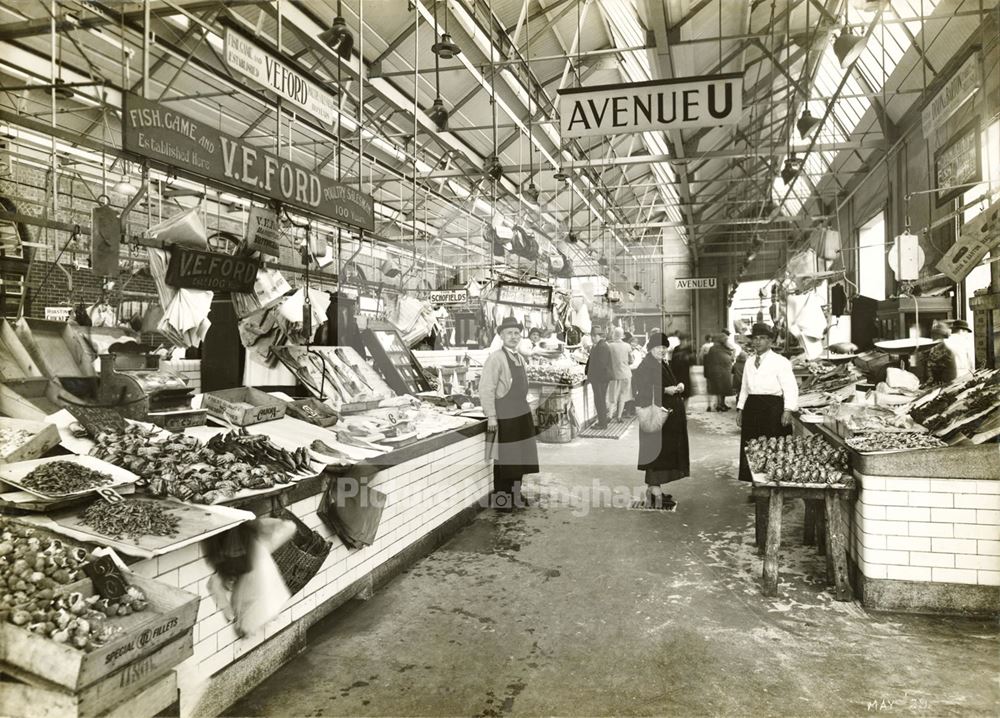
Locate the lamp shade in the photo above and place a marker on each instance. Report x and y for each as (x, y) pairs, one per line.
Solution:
(531, 192)
(847, 47)
(339, 38)
(439, 115)
(446, 48)
(806, 124)
(124, 186)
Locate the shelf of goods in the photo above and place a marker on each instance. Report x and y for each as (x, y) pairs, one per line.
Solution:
(561, 409)
(426, 461)
(67, 649)
(925, 530)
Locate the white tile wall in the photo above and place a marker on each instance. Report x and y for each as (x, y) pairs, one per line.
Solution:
(422, 494)
(918, 529)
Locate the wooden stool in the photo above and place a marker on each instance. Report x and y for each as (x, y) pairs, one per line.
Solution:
(824, 520)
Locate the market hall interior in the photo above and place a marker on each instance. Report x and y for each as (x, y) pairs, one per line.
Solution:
(573, 609)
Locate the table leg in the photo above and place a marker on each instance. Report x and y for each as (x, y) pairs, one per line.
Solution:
(809, 524)
(760, 523)
(836, 547)
(773, 545)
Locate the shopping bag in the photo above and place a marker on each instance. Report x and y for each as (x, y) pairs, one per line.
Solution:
(651, 418)
(301, 558)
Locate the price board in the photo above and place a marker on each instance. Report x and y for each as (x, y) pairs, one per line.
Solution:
(524, 295)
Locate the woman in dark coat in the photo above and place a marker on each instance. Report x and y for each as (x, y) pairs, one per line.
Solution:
(680, 364)
(663, 455)
(719, 373)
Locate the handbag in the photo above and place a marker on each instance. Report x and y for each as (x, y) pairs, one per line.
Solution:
(651, 418)
(301, 558)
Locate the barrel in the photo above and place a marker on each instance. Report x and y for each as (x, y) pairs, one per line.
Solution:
(554, 418)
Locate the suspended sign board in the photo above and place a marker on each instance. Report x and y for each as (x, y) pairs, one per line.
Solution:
(263, 231)
(446, 296)
(524, 295)
(695, 283)
(962, 85)
(162, 134)
(980, 235)
(648, 106)
(253, 61)
(194, 269)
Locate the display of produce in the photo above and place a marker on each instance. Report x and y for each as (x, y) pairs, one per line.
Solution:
(798, 459)
(59, 478)
(34, 570)
(962, 409)
(877, 441)
(13, 439)
(831, 381)
(862, 418)
(258, 450)
(133, 518)
(815, 367)
(548, 373)
(183, 467)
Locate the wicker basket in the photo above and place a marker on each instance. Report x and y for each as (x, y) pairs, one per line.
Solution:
(301, 558)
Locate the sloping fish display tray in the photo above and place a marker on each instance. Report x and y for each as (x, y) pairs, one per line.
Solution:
(43, 436)
(197, 522)
(56, 347)
(14, 474)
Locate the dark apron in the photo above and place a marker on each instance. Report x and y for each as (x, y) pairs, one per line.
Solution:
(761, 417)
(517, 453)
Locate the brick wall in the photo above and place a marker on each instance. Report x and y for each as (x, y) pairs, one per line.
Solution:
(50, 288)
(422, 494)
(932, 530)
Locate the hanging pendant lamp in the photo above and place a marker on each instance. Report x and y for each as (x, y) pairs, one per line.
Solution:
(791, 169)
(439, 113)
(531, 192)
(339, 37)
(848, 47)
(806, 124)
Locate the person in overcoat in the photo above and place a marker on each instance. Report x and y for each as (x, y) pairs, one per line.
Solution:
(719, 373)
(680, 363)
(663, 455)
(503, 393)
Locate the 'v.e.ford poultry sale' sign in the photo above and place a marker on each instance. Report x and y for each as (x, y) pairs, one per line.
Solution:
(656, 105)
(162, 134)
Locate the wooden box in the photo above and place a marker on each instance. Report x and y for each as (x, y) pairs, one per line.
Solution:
(15, 362)
(26, 695)
(243, 406)
(313, 411)
(44, 437)
(56, 347)
(170, 615)
(177, 420)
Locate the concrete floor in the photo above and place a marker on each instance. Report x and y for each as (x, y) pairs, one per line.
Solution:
(574, 609)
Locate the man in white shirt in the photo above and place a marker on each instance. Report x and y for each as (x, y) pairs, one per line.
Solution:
(768, 396)
(963, 347)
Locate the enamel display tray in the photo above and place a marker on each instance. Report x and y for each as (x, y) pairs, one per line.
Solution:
(14, 474)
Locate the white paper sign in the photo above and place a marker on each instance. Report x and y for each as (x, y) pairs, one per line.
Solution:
(648, 106)
(58, 314)
(263, 231)
(265, 69)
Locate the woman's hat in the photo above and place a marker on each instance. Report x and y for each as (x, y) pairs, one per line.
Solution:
(959, 324)
(762, 330)
(659, 339)
(509, 323)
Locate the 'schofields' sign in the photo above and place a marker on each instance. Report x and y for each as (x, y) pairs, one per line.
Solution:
(247, 58)
(656, 105)
(162, 134)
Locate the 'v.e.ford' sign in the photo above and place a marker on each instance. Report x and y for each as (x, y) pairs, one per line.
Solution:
(656, 105)
(193, 269)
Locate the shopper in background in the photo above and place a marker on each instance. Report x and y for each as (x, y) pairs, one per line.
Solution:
(703, 350)
(719, 373)
(940, 361)
(663, 455)
(600, 374)
(620, 387)
(963, 347)
(739, 364)
(681, 360)
(768, 397)
(503, 392)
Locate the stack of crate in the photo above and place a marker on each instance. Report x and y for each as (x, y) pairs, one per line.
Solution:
(189, 369)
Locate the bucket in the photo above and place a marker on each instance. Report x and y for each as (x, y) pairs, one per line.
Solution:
(554, 419)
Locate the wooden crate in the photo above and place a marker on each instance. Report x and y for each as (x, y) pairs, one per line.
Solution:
(56, 347)
(15, 362)
(44, 437)
(170, 615)
(26, 695)
(243, 406)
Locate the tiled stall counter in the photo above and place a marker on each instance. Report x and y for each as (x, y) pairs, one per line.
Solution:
(430, 495)
(930, 543)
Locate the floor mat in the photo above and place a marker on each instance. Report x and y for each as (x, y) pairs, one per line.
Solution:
(640, 505)
(614, 430)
